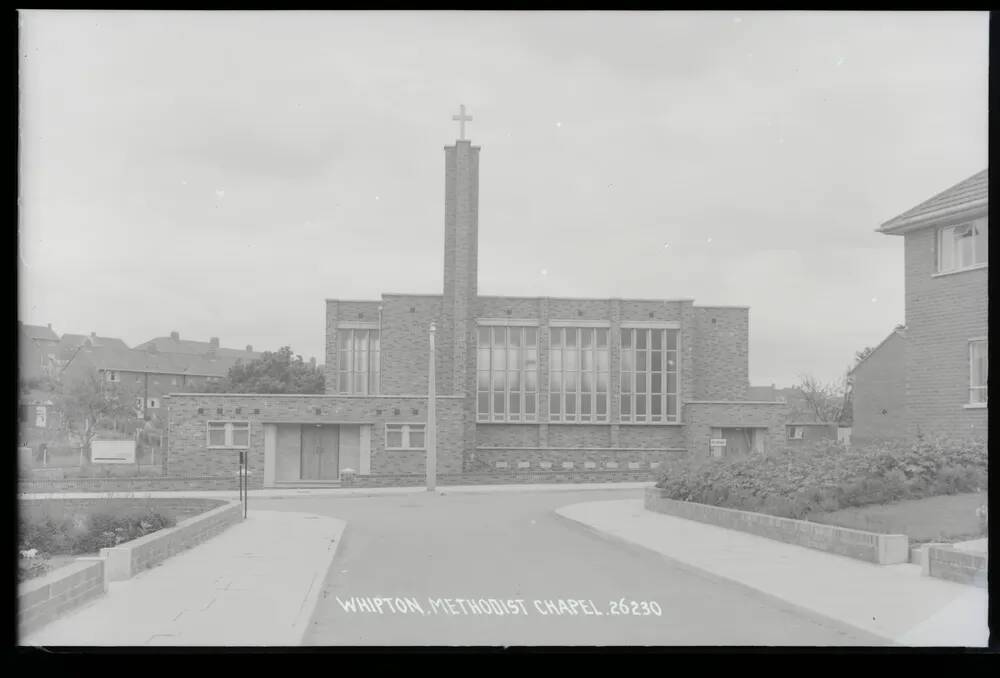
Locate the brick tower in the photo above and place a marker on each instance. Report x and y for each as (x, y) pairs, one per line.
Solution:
(461, 234)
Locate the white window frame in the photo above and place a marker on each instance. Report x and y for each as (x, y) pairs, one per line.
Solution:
(647, 417)
(524, 393)
(973, 387)
(953, 266)
(113, 376)
(229, 425)
(594, 417)
(373, 360)
(153, 403)
(793, 430)
(405, 429)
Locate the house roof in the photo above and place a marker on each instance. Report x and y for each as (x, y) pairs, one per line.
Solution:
(39, 332)
(71, 342)
(189, 347)
(135, 360)
(964, 199)
(899, 331)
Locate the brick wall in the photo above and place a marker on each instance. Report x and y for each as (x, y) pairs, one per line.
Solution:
(189, 456)
(880, 394)
(721, 354)
(43, 599)
(875, 548)
(945, 562)
(58, 508)
(701, 418)
(942, 314)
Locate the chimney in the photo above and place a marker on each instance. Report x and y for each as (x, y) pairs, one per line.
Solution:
(50, 326)
(214, 342)
(312, 362)
(249, 348)
(93, 338)
(176, 336)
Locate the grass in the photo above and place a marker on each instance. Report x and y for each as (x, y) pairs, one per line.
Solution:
(944, 518)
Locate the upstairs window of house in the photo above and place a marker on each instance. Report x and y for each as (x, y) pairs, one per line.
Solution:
(795, 433)
(229, 434)
(649, 375)
(113, 376)
(579, 370)
(962, 246)
(359, 365)
(507, 374)
(978, 371)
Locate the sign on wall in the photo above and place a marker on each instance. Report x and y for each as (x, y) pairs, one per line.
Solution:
(718, 446)
(112, 452)
(40, 416)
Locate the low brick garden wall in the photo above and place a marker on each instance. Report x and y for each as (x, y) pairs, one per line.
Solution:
(58, 507)
(128, 559)
(43, 599)
(884, 549)
(946, 562)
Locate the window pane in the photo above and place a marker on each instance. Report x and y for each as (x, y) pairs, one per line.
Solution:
(570, 405)
(555, 336)
(572, 359)
(640, 361)
(671, 365)
(640, 405)
(640, 338)
(555, 382)
(514, 381)
(627, 361)
(671, 383)
(626, 382)
(656, 361)
(394, 436)
(626, 338)
(640, 382)
(657, 383)
(483, 359)
(656, 405)
(626, 405)
(672, 340)
(515, 402)
(416, 437)
(556, 356)
(554, 401)
(483, 406)
(982, 244)
(499, 336)
(514, 359)
(484, 337)
(602, 360)
(657, 339)
(586, 337)
(344, 382)
(217, 434)
(530, 336)
(571, 337)
(602, 338)
(484, 381)
(498, 408)
(375, 340)
(602, 382)
(344, 339)
(241, 435)
(515, 336)
(529, 404)
(499, 358)
(571, 382)
(586, 382)
(531, 381)
(671, 407)
(946, 248)
(602, 404)
(585, 405)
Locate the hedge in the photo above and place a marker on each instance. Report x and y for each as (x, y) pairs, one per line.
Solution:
(826, 476)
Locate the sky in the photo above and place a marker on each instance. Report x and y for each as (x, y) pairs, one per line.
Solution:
(221, 174)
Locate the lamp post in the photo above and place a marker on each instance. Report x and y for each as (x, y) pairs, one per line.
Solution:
(430, 438)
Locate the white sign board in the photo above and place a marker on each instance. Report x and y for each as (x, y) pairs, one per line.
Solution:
(112, 452)
(717, 442)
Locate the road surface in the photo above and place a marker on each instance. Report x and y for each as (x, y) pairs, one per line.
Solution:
(409, 565)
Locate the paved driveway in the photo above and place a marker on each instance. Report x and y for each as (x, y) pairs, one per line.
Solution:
(420, 550)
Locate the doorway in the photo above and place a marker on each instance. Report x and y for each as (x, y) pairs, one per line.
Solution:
(320, 452)
(741, 441)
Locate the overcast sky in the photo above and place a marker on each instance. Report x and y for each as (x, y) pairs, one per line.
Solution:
(221, 174)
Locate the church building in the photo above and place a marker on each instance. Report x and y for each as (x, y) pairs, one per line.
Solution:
(528, 389)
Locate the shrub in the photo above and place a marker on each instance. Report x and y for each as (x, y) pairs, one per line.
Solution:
(825, 476)
(89, 533)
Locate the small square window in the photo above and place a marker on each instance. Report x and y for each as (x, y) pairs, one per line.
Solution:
(239, 410)
(218, 410)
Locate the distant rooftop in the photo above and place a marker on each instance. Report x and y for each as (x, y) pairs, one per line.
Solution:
(174, 344)
(38, 332)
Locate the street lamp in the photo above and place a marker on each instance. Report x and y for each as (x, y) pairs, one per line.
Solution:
(430, 438)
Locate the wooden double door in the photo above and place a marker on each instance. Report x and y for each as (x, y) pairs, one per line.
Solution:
(320, 453)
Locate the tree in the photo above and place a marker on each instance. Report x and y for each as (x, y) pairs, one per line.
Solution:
(88, 402)
(862, 354)
(828, 402)
(274, 372)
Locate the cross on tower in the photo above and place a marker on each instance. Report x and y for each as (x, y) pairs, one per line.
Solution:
(461, 118)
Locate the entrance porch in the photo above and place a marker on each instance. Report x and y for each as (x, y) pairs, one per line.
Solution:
(313, 454)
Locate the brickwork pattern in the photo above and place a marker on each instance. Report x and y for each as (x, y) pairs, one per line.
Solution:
(942, 314)
(880, 394)
(701, 418)
(945, 562)
(883, 549)
(44, 599)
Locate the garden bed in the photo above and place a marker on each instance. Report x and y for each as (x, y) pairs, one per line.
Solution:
(823, 482)
(947, 518)
(54, 532)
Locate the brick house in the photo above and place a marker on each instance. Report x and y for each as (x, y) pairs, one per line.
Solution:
(945, 243)
(566, 388)
(173, 344)
(880, 391)
(38, 349)
(801, 423)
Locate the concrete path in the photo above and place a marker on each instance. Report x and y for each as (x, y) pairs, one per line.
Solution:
(350, 492)
(257, 583)
(443, 560)
(894, 602)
